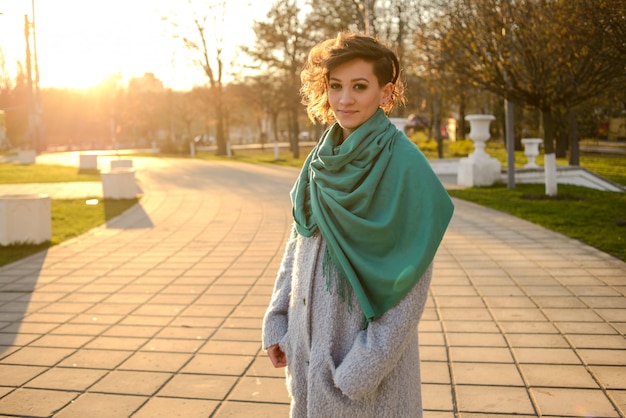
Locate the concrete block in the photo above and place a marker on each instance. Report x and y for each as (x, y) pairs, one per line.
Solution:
(119, 183)
(25, 219)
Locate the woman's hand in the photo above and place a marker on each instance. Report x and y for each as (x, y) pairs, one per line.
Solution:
(277, 356)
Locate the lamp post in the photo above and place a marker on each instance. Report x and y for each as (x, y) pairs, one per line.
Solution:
(34, 96)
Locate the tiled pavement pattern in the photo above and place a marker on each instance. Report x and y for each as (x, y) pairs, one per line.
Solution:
(158, 313)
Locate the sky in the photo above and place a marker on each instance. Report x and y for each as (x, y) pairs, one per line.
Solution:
(80, 43)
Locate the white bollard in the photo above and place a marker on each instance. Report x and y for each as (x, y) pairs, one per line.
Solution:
(119, 183)
(121, 164)
(25, 219)
(88, 162)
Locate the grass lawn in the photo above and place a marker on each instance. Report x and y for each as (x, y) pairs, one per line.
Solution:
(14, 173)
(70, 218)
(591, 216)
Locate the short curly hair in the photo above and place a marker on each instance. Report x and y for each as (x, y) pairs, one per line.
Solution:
(330, 54)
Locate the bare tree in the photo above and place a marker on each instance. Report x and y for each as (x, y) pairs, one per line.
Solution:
(281, 46)
(205, 42)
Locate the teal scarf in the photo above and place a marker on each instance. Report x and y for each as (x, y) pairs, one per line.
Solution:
(378, 205)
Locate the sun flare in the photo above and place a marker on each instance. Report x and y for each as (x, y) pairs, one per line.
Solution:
(81, 43)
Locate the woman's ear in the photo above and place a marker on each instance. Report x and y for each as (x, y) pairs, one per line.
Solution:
(386, 96)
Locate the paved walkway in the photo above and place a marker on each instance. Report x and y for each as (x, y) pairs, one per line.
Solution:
(158, 313)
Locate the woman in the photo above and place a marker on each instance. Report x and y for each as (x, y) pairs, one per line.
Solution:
(369, 214)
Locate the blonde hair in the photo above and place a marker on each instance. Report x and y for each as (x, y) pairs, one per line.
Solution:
(331, 53)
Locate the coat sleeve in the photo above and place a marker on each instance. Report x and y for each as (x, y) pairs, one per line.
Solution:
(275, 321)
(378, 348)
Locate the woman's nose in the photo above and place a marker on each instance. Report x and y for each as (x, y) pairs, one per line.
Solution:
(346, 96)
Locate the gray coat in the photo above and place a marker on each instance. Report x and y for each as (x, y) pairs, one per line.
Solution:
(334, 367)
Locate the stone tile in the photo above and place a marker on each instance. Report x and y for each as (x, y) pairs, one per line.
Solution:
(619, 397)
(146, 320)
(573, 402)
(97, 405)
(12, 375)
(528, 328)
(465, 314)
(481, 354)
(131, 331)
(537, 340)
(38, 356)
(231, 347)
(208, 311)
(436, 397)
(251, 323)
(616, 342)
(612, 315)
(475, 340)
(435, 372)
(262, 367)
(236, 334)
(131, 382)
(95, 359)
(558, 302)
(173, 345)
(558, 375)
(509, 302)
(603, 357)
(192, 333)
(61, 341)
(198, 386)
(569, 315)
(260, 389)
(176, 407)
(612, 377)
(492, 374)
(433, 353)
(35, 402)
(116, 343)
(252, 410)
(218, 364)
(64, 378)
(80, 329)
(586, 328)
(493, 399)
(546, 355)
(472, 326)
(155, 362)
(518, 314)
(460, 301)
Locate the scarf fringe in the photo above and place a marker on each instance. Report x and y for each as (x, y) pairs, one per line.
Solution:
(331, 273)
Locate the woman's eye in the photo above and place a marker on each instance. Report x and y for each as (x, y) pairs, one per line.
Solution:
(360, 86)
(335, 86)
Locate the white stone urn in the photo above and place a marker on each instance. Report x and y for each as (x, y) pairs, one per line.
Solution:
(479, 134)
(479, 169)
(531, 151)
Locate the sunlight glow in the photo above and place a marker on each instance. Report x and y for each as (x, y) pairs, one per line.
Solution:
(81, 43)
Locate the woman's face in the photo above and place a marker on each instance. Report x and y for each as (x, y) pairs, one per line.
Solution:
(354, 94)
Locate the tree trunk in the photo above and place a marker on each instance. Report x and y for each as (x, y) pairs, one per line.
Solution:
(574, 145)
(548, 131)
(220, 136)
(549, 156)
(293, 132)
(437, 127)
(460, 130)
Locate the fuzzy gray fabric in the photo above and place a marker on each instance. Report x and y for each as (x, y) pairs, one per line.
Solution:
(334, 367)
